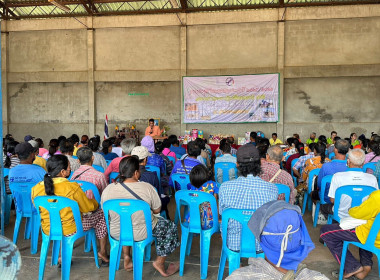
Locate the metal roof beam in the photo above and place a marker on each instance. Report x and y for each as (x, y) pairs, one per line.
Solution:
(6, 10)
(88, 9)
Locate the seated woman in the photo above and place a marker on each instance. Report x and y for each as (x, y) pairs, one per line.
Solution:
(164, 230)
(93, 144)
(154, 159)
(107, 150)
(55, 183)
(53, 149)
(300, 152)
(200, 181)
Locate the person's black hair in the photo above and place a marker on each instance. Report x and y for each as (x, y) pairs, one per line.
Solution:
(342, 146)
(40, 142)
(105, 146)
(362, 137)
(290, 141)
(84, 155)
(222, 142)
(230, 140)
(193, 150)
(323, 139)
(128, 167)
(74, 138)
(54, 166)
(300, 148)
(274, 134)
(9, 136)
(97, 137)
(365, 143)
(252, 167)
(173, 139)
(9, 150)
(159, 147)
(332, 132)
(53, 146)
(312, 146)
(226, 148)
(93, 144)
(151, 120)
(320, 148)
(201, 143)
(85, 140)
(112, 139)
(199, 175)
(375, 147)
(118, 142)
(66, 146)
(253, 135)
(60, 139)
(352, 134)
(166, 144)
(336, 138)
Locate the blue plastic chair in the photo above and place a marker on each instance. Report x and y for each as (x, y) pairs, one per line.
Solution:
(25, 209)
(156, 169)
(192, 200)
(113, 176)
(247, 240)
(108, 161)
(325, 180)
(331, 156)
(291, 169)
(369, 165)
(98, 168)
(225, 167)
(54, 204)
(181, 180)
(307, 195)
(75, 157)
(6, 202)
(284, 189)
(172, 159)
(357, 194)
(369, 245)
(125, 208)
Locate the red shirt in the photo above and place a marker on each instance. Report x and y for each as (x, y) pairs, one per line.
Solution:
(289, 162)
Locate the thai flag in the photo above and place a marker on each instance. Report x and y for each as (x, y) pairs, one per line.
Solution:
(106, 128)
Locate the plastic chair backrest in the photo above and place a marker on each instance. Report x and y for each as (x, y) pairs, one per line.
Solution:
(357, 193)
(181, 179)
(22, 194)
(98, 168)
(247, 239)
(310, 178)
(75, 157)
(284, 189)
(225, 167)
(156, 169)
(331, 155)
(172, 159)
(193, 200)
(369, 165)
(373, 233)
(325, 180)
(125, 208)
(108, 161)
(86, 186)
(293, 163)
(5, 172)
(113, 175)
(54, 204)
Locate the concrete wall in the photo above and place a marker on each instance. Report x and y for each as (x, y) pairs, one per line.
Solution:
(60, 77)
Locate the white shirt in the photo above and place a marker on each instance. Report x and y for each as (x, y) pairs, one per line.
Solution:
(118, 151)
(346, 178)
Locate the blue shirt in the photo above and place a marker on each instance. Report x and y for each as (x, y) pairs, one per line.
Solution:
(26, 173)
(150, 177)
(180, 151)
(178, 168)
(109, 156)
(244, 193)
(156, 160)
(330, 168)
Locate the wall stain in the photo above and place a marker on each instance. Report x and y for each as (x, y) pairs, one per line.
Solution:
(316, 110)
(21, 90)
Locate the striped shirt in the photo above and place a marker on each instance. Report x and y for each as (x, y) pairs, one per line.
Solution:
(91, 175)
(244, 193)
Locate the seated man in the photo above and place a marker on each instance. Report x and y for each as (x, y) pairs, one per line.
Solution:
(269, 224)
(127, 146)
(26, 171)
(248, 191)
(338, 164)
(334, 235)
(88, 173)
(185, 165)
(331, 147)
(67, 148)
(175, 147)
(353, 176)
(271, 172)
(274, 140)
(225, 149)
(312, 139)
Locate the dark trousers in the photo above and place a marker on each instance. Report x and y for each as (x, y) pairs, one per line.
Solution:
(334, 236)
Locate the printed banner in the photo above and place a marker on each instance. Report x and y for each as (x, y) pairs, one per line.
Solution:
(231, 99)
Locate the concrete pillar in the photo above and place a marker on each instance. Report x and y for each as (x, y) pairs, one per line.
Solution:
(4, 73)
(91, 80)
(280, 69)
(183, 53)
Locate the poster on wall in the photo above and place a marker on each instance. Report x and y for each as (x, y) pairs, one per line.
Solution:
(231, 99)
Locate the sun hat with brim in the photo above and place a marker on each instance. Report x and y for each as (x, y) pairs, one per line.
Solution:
(141, 151)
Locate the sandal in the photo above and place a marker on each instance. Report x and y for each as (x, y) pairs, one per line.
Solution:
(103, 262)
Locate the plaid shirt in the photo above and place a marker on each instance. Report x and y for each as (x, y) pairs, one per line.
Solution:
(244, 193)
(93, 176)
(302, 160)
(269, 169)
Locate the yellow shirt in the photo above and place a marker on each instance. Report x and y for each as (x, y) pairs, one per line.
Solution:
(41, 162)
(75, 151)
(65, 188)
(368, 210)
(272, 142)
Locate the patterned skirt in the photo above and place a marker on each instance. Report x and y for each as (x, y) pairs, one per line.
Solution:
(166, 233)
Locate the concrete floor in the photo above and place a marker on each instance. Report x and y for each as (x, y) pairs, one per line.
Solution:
(83, 266)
